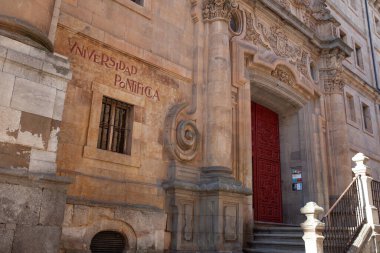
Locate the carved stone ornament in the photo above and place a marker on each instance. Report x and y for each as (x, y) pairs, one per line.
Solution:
(182, 137)
(218, 9)
(251, 33)
(284, 76)
(331, 72)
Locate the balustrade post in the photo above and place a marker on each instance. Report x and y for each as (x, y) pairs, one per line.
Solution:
(313, 228)
(361, 169)
(364, 171)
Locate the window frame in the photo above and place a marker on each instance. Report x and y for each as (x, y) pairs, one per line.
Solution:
(124, 125)
(359, 61)
(355, 100)
(91, 149)
(144, 10)
(364, 102)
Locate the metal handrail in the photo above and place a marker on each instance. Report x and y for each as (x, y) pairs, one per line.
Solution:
(345, 219)
(341, 196)
(375, 185)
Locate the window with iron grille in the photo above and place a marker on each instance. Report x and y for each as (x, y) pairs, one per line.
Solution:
(108, 242)
(115, 128)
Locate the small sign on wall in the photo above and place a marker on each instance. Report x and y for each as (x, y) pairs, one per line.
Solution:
(296, 178)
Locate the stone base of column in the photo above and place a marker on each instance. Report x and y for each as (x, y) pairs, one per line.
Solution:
(206, 215)
(31, 211)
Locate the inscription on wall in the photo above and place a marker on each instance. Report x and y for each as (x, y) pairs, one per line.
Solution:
(126, 74)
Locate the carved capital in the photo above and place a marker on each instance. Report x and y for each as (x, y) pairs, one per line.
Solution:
(218, 9)
(332, 69)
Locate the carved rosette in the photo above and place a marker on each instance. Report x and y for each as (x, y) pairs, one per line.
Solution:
(284, 76)
(218, 9)
(182, 137)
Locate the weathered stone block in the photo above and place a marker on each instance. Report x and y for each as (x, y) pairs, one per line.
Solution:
(20, 204)
(6, 88)
(37, 166)
(36, 239)
(21, 71)
(53, 81)
(9, 124)
(43, 155)
(34, 130)
(24, 59)
(14, 156)
(42, 161)
(33, 97)
(15, 45)
(80, 215)
(58, 105)
(52, 207)
(6, 239)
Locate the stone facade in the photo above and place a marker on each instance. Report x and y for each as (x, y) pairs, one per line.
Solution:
(189, 69)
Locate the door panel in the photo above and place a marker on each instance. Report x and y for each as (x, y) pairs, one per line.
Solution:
(267, 198)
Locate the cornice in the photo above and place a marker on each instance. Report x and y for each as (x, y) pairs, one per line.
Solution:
(294, 21)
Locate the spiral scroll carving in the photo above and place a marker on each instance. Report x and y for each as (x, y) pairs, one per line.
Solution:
(187, 140)
(182, 136)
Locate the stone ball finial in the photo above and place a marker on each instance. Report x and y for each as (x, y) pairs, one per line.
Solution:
(361, 167)
(360, 157)
(311, 208)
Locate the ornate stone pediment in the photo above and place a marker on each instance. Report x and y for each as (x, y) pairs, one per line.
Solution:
(218, 9)
(276, 39)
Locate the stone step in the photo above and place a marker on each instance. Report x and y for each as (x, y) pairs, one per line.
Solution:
(276, 238)
(278, 245)
(277, 229)
(289, 237)
(250, 250)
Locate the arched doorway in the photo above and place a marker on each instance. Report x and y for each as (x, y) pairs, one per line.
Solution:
(109, 242)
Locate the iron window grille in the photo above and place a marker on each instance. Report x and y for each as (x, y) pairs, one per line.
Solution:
(108, 242)
(115, 128)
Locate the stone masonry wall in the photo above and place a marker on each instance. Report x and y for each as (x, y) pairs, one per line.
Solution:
(32, 198)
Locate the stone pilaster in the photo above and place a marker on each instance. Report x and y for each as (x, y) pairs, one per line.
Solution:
(333, 85)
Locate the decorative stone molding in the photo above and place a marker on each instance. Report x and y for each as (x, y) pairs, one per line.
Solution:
(182, 137)
(284, 76)
(218, 9)
(24, 32)
(332, 69)
(276, 40)
(251, 33)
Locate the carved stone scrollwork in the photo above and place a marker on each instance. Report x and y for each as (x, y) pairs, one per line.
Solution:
(218, 9)
(284, 76)
(251, 33)
(182, 137)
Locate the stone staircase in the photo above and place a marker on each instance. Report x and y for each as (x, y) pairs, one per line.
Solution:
(276, 238)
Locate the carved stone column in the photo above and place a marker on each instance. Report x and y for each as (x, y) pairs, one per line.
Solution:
(339, 157)
(217, 13)
(221, 196)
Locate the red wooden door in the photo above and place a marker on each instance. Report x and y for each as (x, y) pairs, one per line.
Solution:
(267, 200)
